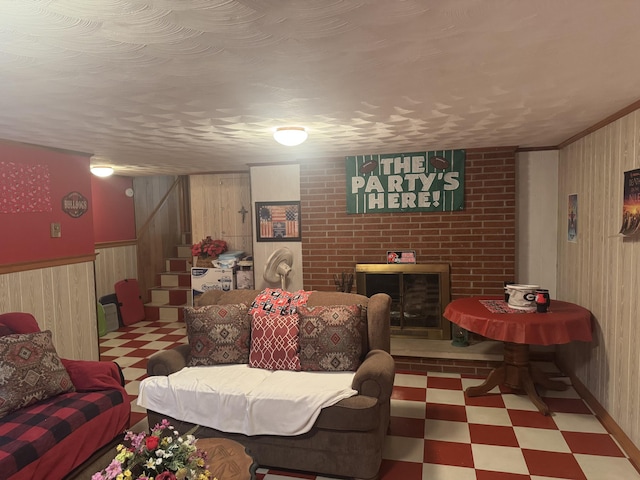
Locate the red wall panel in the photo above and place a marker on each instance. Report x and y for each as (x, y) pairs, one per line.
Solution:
(33, 182)
(113, 211)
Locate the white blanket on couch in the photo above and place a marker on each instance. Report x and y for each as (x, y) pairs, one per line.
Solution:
(241, 399)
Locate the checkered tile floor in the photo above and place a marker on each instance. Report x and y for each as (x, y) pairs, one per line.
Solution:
(436, 432)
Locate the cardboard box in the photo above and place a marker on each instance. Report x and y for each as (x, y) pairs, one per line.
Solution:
(203, 279)
(244, 279)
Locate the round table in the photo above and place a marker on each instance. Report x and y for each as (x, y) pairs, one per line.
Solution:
(492, 317)
(227, 459)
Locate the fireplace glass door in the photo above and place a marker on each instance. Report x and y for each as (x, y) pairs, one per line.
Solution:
(419, 294)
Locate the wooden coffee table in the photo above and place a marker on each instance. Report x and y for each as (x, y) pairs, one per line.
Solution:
(227, 459)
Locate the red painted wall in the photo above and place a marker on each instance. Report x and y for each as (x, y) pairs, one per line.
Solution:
(113, 211)
(34, 178)
(478, 242)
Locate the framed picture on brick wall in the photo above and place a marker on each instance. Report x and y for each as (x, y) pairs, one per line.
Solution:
(278, 221)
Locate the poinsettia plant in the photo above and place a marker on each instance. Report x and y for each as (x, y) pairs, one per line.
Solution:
(161, 455)
(208, 247)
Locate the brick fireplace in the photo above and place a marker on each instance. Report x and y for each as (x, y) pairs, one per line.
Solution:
(478, 242)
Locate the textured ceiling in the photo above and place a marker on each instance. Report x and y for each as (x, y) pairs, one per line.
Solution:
(186, 86)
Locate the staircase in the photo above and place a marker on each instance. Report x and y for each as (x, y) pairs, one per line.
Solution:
(174, 291)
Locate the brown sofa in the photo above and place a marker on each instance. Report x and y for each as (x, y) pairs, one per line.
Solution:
(348, 437)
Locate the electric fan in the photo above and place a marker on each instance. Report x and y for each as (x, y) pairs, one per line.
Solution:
(278, 266)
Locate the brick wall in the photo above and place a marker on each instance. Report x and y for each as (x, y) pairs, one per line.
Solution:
(478, 242)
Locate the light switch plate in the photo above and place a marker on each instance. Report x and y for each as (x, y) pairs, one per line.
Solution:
(56, 231)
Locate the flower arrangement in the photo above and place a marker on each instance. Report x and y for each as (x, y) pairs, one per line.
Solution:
(208, 248)
(161, 455)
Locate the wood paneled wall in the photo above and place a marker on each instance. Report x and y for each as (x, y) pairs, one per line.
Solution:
(160, 236)
(62, 300)
(601, 270)
(216, 202)
(114, 264)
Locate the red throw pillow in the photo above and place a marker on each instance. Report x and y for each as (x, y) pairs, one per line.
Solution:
(274, 342)
(331, 337)
(298, 299)
(271, 300)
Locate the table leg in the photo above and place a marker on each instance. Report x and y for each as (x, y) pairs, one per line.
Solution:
(518, 373)
(496, 377)
(543, 379)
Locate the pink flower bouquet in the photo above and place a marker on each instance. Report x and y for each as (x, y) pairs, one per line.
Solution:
(161, 455)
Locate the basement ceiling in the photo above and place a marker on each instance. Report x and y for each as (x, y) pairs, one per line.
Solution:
(189, 86)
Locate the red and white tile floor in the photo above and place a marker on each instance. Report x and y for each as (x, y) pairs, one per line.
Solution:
(436, 432)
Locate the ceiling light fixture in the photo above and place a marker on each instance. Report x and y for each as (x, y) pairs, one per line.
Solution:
(290, 136)
(102, 171)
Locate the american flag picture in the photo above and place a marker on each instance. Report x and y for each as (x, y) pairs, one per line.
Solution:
(278, 221)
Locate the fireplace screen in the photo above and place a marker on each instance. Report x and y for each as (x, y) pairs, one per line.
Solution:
(419, 294)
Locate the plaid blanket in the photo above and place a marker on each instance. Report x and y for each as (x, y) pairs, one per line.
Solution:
(30, 432)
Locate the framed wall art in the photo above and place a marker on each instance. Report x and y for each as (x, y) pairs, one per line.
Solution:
(278, 221)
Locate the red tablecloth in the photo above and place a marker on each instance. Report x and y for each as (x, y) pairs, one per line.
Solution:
(563, 323)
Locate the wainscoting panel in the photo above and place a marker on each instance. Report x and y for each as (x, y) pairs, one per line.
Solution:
(114, 264)
(62, 300)
(600, 271)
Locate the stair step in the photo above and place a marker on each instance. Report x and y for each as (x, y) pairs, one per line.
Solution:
(178, 264)
(164, 313)
(175, 279)
(170, 295)
(183, 251)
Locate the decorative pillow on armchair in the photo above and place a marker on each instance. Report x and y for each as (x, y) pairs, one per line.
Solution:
(4, 330)
(218, 334)
(331, 337)
(274, 341)
(30, 371)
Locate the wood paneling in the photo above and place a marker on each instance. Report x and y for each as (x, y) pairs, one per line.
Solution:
(216, 202)
(114, 264)
(600, 270)
(62, 300)
(162, 233)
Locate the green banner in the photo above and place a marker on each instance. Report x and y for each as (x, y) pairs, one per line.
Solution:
(406, 182)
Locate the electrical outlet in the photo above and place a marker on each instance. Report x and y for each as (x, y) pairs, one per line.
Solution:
(56, 231)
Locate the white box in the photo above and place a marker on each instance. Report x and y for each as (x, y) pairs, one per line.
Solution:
(244, 280)
(203, 279)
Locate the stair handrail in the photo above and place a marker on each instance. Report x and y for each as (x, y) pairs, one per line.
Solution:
(161, 203)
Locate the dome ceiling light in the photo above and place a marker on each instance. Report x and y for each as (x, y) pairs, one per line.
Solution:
(102, 171)
(290, 136)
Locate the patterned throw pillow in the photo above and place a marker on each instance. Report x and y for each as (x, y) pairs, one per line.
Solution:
(298, 299)
(218, 334)
(271, 300)
(331, 337)
(274, 342)
(30, 371)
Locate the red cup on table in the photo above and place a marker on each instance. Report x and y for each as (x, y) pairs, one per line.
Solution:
(542, 300)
